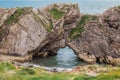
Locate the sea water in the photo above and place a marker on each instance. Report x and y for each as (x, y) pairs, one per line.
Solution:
(65, 57)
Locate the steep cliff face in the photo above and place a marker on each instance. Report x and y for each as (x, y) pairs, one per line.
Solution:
(28, 32)
(100, 40)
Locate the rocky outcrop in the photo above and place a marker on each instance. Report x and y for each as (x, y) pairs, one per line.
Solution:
(100, 40)
(28, 32)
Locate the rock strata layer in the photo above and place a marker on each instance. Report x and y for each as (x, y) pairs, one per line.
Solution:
(27, 32)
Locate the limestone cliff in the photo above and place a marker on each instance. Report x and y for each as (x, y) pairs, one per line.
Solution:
(100, 39)
(27, 32)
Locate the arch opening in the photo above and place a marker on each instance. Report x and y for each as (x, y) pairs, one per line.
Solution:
(65, 58)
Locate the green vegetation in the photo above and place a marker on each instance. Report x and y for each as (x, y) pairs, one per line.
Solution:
(22, 73)
(6, 66)
(118, 7)
(1, 32)
(92, 17)
(113, 75)
(75, 32)
(9, 72)
(56, 14)
(25, 71)
(15, 16)
(12, 19)
(101, 26)
(48, 27)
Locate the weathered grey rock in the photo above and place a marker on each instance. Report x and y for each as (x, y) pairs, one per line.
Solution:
(32, 32)
(4, 14)
(37, 33)
(100, 40)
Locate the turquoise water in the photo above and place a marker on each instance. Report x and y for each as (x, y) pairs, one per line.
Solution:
(65, 58)
(86, 6)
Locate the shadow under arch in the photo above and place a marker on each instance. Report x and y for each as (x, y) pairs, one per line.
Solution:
(65, 58)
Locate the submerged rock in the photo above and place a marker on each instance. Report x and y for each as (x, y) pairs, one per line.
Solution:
(28, 32)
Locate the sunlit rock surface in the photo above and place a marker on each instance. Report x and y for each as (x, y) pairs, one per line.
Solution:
(28, 32)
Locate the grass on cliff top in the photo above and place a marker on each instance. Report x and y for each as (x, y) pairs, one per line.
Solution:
(56, 14)
(14, 17)
(10, 72)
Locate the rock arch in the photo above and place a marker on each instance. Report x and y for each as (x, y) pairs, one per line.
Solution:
(39, 31)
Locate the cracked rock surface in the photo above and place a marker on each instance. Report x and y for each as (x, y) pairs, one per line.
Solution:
(29, 32)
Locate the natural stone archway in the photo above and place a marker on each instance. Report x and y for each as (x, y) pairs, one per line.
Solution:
(30, 31)
(26, 32)
(65, 58)
(93, 38)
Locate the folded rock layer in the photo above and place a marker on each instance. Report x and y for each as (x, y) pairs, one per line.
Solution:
(27, 32)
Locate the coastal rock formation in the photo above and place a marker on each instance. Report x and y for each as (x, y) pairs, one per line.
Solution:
(100, 40)
(27, 32)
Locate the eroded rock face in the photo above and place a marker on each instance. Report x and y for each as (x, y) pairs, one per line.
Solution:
(100, 40)
(41, 32)
(29, 33)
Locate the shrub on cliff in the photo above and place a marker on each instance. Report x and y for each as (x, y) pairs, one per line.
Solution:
(118, 7)
(56, 14)
(75, 32)
(14, 17)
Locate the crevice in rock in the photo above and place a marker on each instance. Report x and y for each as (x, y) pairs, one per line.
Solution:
(92, 38)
